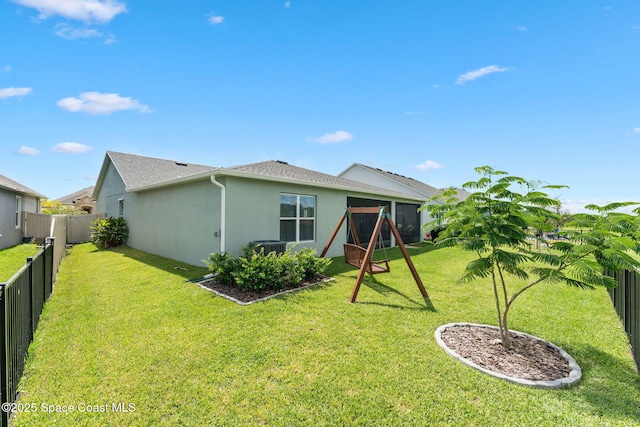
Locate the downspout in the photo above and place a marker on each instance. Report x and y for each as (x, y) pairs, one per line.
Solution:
(223, 212)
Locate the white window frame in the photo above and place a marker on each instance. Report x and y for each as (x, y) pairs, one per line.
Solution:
(298, 218)
(120, 208)
(18, 212)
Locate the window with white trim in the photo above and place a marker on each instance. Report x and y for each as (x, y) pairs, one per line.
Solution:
(297, 218)
(120, 208)
(18, 212)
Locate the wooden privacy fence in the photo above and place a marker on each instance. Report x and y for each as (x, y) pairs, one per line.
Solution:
(626, 300)
(22, 299)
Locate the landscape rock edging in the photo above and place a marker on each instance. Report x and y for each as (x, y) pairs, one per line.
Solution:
(574, 376)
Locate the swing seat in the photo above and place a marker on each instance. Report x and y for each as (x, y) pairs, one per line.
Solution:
(354, 255)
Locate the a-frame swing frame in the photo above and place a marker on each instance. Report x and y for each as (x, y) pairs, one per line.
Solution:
(368, 266)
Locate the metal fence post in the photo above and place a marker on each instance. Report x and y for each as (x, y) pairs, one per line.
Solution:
(30, 264)
(4, 360)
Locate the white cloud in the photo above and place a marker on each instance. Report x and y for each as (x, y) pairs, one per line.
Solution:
(6, 68)
(428, 165)
(522, 28)
(70, 33)
(475, 74)
(287, 4)
(415, 113)
(71, 147)
(333, 138)
(101, 103)
(14, 91)
(81, 10)
(215, 19)
(636, 130)
(28, 151)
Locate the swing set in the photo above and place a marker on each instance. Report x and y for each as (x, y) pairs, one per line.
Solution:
(358, 256)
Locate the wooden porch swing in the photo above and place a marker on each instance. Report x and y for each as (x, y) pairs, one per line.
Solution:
(360, 257)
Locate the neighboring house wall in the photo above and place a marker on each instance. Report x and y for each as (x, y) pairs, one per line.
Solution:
(357, 173)
(10, 234)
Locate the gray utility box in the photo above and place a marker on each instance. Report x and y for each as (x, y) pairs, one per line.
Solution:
(270, 245)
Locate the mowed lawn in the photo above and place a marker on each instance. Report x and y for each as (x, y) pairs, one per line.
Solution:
(13, 258)
(124, 330)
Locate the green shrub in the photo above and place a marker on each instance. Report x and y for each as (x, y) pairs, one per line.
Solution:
(222, 265)
(110, 232)
(312, 265)
(255, 270)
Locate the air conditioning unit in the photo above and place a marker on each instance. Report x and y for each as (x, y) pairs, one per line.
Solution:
(270, 245)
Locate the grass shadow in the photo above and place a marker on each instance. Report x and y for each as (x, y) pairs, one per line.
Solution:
(168, 265)
(607, 399)
(422, 304)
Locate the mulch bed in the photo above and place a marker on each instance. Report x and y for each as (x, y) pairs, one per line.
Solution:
(528, 358)
(248, 296)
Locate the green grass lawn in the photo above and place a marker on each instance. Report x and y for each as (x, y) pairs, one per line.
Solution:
(11, 259)
(124, 327)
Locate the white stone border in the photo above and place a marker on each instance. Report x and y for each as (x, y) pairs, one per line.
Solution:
(237, 301)
(573, 378)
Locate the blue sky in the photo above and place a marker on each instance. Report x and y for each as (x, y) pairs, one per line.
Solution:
(545, 90)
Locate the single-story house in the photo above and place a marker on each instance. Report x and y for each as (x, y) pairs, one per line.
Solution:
(405, 219)
(15, 199)
(81, 199)
(187, 211)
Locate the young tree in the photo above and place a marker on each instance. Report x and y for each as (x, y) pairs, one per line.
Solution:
(499, 224)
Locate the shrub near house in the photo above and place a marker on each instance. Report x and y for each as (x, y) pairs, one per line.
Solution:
(110, 232)
(255, 270)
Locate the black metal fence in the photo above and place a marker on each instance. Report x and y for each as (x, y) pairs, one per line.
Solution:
(626, 300)
(21, 301)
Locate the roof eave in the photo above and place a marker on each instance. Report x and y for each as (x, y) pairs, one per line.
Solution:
(176, 181)
(227, 172)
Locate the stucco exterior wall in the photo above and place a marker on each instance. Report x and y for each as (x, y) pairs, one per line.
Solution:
(10, 235)
(181, 221)
(177, 222)
(253, 212)
(111, 191)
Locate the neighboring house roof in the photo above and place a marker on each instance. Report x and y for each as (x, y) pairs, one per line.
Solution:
(427, 190)
(140, 172)
(74, 197)
(15, 186)
(462, 193)
(415, 185)
(282, 171)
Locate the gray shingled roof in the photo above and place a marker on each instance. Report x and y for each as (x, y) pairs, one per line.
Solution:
(282, 170)
(70, 198)
(10, 184)
(140, 171)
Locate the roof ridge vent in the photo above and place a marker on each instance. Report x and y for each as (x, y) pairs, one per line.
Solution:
(282, 162)
(181, 164)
